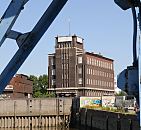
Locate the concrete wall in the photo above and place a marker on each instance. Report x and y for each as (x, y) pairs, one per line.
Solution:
(35, 112)
(104, 120)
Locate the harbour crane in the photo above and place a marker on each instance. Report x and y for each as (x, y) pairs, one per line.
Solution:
(25, 41)
(129, 79)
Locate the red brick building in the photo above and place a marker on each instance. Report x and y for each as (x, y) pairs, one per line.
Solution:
(19, 87)
(74, 72)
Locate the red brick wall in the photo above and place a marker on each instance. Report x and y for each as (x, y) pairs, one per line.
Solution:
(22, 86)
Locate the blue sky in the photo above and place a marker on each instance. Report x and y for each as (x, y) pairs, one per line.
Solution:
(106, 29)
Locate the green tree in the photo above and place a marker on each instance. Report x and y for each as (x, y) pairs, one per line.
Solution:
(43, 83)
(35, 83)
(121, 93)
(40, 85)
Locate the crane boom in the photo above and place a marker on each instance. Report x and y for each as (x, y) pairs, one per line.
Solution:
(27, 41)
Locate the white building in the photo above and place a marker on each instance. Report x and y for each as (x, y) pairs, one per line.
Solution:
(117, 90)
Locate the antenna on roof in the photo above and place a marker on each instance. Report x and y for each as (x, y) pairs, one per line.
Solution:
(69, 27)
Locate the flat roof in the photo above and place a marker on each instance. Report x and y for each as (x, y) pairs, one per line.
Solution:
(98, 55)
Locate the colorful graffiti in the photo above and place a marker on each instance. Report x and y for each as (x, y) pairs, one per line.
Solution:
(90, 101)
(108, 101)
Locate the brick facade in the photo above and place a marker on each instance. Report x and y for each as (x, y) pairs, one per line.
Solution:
(74, 72)
(19, 87)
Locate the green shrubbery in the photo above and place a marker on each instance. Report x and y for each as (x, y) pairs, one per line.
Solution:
(110, 109)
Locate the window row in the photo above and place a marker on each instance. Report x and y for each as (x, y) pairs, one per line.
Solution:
(99, 83)
(65, 76)
(64, 45)
(95, 62)
(99, 73)
(65, 66)
(65, 84)
(66, 56)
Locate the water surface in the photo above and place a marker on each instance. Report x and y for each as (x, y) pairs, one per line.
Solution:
(48, 128)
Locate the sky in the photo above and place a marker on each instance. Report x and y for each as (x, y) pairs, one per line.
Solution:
(105, 28)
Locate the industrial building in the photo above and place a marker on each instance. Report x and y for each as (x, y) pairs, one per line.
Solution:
(74, 72)
(19, 87)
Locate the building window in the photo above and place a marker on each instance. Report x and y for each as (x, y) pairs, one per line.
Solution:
(107, 65)
(87, 81)
(62, 56)
(66, 66)
(79, 59)
(53, 72)
(52, 61)
(98, 72)
(87, 60)
(104, 64)
(89, 71)
(53, 82)
(67, 56)
(69, 44)
(95, 62)
(98, 83)
(80, 81)
(111, 66)
(67, 76)
(90, 61)
(91, 81)
(112, 85)
(80, 70)
(107, 84)
(99, 64)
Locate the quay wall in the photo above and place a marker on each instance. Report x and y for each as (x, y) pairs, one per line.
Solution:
(33, 113)
(22, 113)
(103, 120)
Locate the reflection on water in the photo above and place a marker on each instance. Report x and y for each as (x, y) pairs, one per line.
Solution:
(48, 128)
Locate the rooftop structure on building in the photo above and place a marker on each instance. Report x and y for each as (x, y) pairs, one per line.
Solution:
(74, 72)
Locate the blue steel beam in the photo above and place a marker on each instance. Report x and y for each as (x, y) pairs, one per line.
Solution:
(9, 17)
(28, 42)
(139, 76)
(129, 80)
(139, 98)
